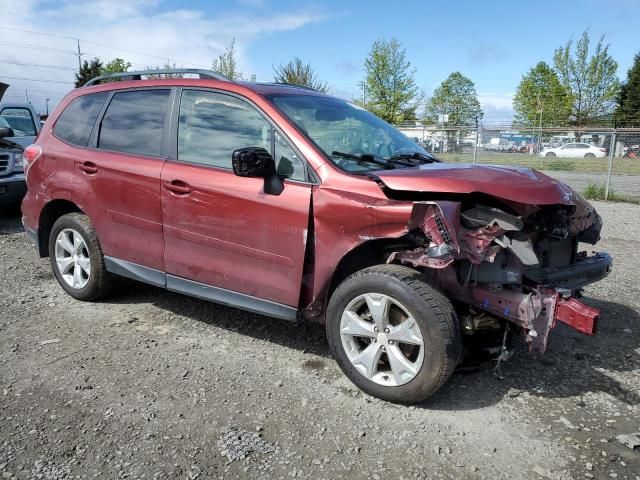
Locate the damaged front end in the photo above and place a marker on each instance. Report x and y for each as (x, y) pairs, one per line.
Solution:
(511, 261)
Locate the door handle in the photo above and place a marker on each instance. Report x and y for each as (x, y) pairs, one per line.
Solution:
(178, 187)
(88, 167)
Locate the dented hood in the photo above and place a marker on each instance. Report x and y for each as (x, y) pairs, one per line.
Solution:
(517, 184)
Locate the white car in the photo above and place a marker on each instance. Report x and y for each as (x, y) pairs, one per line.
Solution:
(575, 150)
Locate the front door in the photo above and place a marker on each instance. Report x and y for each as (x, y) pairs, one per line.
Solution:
(222, 230)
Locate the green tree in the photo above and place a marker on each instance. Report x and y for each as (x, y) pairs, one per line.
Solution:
(226, 64)
(457, 98)
(166, 66)
(541, 97)
(628, 111)
(591, 80)
(297, 73)
(117, 65)
(391, 89)
(88, 71)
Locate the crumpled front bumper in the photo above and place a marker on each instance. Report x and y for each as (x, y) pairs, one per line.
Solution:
(584, 271)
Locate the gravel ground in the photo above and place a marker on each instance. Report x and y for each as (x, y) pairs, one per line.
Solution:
(152, 384)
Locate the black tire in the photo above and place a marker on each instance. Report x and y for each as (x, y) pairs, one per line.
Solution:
(433, 313)
(100, 281)
(589, 155)
(550, 154)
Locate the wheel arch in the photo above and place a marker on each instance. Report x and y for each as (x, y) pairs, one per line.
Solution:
(51, 212)
(364, 255)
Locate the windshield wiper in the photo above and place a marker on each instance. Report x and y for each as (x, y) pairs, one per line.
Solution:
(414, 156)
(364, 158)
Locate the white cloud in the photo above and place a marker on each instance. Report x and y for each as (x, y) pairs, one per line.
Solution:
(144, 33)
(497, 107)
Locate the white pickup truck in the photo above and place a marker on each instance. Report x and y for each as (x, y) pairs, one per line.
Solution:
(19, 125)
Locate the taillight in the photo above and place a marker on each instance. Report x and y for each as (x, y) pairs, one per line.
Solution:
(31, 154)
(603, 150)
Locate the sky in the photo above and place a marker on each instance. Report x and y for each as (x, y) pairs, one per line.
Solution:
(492, 42)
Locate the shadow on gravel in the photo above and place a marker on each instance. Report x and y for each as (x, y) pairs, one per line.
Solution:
(10, 219)
(570, 368)
(573, 366)
(304, 336)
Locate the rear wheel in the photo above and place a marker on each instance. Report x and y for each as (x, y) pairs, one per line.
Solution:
(76, 258)
(550, 154)
(589, 155)
(393, 335)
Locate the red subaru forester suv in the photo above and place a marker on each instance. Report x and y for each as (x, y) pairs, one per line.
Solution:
(294, 204)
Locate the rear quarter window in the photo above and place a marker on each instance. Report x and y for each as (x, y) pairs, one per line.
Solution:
(76, 121)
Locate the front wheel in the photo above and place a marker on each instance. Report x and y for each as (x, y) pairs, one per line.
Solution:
(550, 154)
(395, 336)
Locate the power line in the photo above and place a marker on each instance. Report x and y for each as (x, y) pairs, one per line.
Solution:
(37, 47)
(39, 33)
(37, 80)
(99, 45)
(144, 54)
(23, 64)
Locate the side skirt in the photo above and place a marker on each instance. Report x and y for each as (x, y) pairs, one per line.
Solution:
(200, 290)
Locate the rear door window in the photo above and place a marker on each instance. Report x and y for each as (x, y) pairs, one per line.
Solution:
(134, 122)
(76, 121)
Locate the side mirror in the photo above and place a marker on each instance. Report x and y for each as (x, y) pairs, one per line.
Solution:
(257, 162)
(253, 162)
(6, 132)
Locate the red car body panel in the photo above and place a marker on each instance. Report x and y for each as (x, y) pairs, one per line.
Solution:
(122, 199)
(516, 184)
(228, 233)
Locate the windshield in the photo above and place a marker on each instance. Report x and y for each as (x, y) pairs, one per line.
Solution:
(354, 139)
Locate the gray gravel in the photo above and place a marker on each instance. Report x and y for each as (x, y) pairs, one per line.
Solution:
(152, 384)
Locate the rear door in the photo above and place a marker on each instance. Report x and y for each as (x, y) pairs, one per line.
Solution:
(222, 230)
(117, 182)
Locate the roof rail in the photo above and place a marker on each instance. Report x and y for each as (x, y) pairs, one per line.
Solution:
(304, 87)
(168, 71)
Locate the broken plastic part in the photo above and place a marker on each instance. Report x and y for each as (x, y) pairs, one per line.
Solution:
(577, 315)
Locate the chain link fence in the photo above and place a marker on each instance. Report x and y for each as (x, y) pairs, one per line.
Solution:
(603, 163)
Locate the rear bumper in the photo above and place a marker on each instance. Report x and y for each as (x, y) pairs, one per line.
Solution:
(32, 235)
(12, 188)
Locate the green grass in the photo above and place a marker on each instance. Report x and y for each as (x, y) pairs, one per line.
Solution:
(621, 166)
(597, 191)
(560, 165)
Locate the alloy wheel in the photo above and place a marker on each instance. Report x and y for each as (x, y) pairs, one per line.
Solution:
(72, 258)
(381, 339)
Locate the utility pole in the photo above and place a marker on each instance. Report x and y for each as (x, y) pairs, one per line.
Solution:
(26, 94)
(79, 57)
(47, 104)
